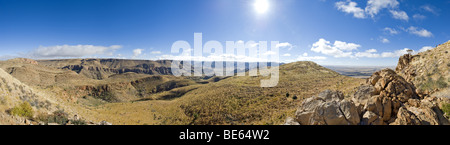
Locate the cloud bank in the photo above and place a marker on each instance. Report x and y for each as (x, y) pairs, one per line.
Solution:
(350, 50)
(67, 51)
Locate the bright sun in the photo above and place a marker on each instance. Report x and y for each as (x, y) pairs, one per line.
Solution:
(261, 6)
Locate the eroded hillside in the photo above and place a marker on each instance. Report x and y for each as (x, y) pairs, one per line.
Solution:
(13, 93)
(429, 70)
(103, 68)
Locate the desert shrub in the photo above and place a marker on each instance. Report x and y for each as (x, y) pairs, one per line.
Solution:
(3, 100)
(78, 122)
(41, 117)
(23, 110)
(59, 117)
(431, 84)
(446, 109)
(108, 96)
(441, 83)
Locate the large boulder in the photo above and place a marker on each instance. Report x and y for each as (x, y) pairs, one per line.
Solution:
(304, 112)
(350, 111)
(387, 83)
(404, 117)
(363, 93)
(328, 108)
(427, 111)
(329, 95)
(421, 112)
(291, 121)
(370, 118)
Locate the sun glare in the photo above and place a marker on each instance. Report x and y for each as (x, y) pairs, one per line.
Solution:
(261, 6)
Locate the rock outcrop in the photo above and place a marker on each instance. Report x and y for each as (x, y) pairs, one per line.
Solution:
(387, 99)
(427, 70)
(328, 108)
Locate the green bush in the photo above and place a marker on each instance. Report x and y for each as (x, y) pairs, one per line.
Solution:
(446, 109)
(23, 110)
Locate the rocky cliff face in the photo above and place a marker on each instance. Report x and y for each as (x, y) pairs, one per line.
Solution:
(24, 60)
(103, 68)
(386, 99)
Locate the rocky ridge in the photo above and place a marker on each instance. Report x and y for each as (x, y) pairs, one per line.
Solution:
(429, 71)
(386, 99)
(103, 68)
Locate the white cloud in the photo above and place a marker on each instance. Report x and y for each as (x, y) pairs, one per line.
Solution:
(371, 50)
(430, 9)
(396, 53)
(303, 58)
(284, 45)
(338, 49)
(156, 52)
(115, 47)
(325, 47)
(425, 48)
(59, 51)
(351, 8)
(346, 46)
(384, 40)
(270, 53)
(371, 53)
(391, 31)
(419, 32)
(287, 54)
(374, 6)
(400, 15)
(419, 17)
(137, 52)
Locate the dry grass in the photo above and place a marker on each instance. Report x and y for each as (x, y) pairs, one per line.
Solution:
(236, 100)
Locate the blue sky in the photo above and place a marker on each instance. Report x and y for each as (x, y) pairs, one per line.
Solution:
(329, 32)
